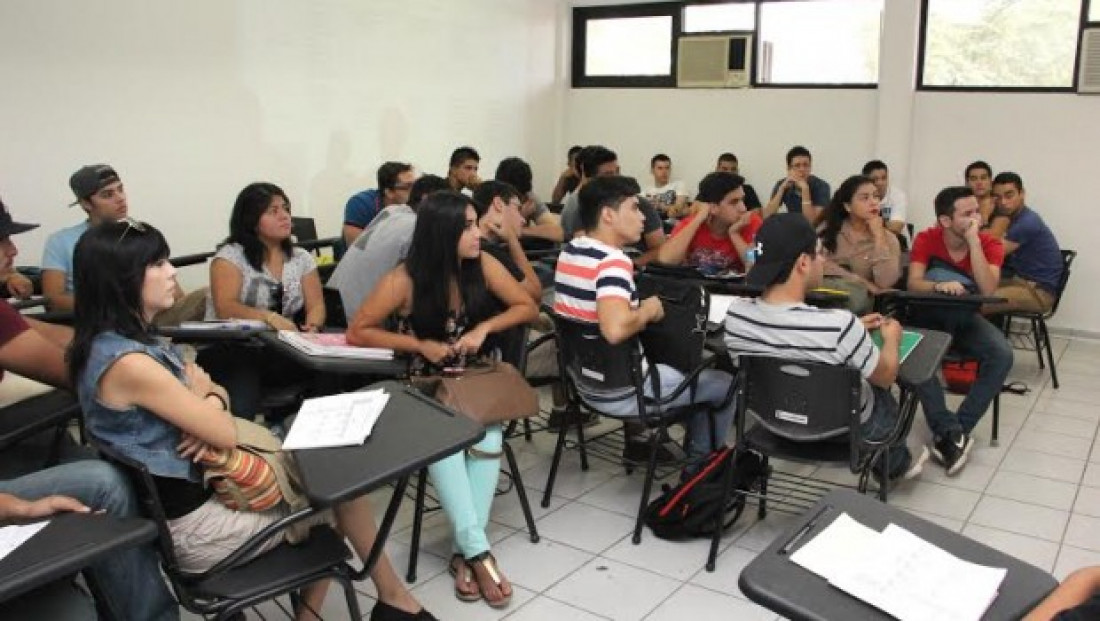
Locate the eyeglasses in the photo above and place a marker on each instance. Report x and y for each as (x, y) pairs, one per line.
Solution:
(276, 291)
(130, 224)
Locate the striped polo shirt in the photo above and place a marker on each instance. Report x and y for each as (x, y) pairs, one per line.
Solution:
(587, 271)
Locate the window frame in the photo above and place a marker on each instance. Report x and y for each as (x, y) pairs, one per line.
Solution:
(932, 88)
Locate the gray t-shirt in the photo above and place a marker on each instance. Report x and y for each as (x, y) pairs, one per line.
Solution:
(377, 250)
(259, 289)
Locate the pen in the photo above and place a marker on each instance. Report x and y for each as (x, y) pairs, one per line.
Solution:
(802, 532)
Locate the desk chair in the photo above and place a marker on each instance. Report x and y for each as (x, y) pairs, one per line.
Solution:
(1039, 334)
(240, 581)
(26, 418)
(336, 315)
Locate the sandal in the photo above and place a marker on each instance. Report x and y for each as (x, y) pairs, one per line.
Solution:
(458, 564)
(489, 563)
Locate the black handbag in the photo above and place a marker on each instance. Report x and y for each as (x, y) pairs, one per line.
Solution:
(678, 338)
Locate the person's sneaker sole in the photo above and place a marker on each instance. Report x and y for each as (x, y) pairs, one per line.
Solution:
(917, 467)
(961, 461)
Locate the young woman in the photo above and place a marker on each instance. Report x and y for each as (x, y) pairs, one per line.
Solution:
(441, 305)
(258, 274)
(862, 256)
(143, 400)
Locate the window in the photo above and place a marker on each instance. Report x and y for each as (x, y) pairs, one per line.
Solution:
(1014, 44)
(720, 17)
(629, 46)
(1094, 10)
(815, 42)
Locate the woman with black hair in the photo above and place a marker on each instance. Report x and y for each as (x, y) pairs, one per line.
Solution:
(440, 305)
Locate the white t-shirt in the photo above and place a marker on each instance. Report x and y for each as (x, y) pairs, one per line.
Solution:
(895, 207)
(665, 196)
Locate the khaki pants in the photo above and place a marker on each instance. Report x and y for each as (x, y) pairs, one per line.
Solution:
(1020, 295)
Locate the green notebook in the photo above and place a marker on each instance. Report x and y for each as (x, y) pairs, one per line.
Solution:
(909, 342)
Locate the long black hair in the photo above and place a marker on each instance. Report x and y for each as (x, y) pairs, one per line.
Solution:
(836, 213)
(109, 273)
(433, 264)
(250, 205)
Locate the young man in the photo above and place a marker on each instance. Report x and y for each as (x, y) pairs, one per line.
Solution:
(893, 204)
(950, 258)
(727, 162)
(667, 196)
(979, 178)
(800, 192)
(395, 179)
(568, 179)
(1033, 259)
(500, 221)
(380, 247)
(462, 170)
(717, 235)
(780, 324)
(539, 221)
(594, 284)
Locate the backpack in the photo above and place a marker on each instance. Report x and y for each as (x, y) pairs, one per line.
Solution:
(688, 510)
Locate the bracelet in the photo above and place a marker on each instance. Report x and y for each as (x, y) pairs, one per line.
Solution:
(225, 406)
(268, 318)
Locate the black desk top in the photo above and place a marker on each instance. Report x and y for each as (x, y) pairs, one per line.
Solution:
(777, 583)
(31, 302)
(69, 543)
(924, 360)
(396, 367)
(412, 432)
(29, 416)
(943, 299)
(207, 335)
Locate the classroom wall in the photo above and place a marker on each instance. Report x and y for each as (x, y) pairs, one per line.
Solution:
(190, 101)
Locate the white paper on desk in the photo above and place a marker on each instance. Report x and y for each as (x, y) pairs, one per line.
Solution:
(719, 304)
(338, 420)
(841, 543)
(11, 537)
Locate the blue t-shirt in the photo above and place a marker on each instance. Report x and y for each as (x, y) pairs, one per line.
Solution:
(819, 194)
(362, 208)
(58, 253)
(1038, 257)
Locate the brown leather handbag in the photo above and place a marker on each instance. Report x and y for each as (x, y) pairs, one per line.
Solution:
(490, 393)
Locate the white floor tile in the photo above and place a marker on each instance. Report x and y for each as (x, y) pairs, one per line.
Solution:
(542, 608)
(946, 522)
(1059, 423)
(1088, 501)
(571, 482)
(674, 559)
(1044, 465)
(1052, 403)
(726, 571)
(1071, 558)
(1083, 532)
(507, 509)
(1092, 475)
(1053, 443)
(974, 476)
(1038, 552)
(614, 590)
(1033, 489)
(699, 604)
(942, 500)
(586, 527)
(1020, 518)
(537, 566)
(438, 596)
(620, 495)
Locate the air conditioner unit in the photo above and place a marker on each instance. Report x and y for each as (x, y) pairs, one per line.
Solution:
(1088, 78)
(714, 61)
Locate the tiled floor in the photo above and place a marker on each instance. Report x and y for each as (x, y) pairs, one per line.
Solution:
(1036, 496)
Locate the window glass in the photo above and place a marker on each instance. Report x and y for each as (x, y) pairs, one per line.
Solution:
(719, 17)
(810, 42)
(629, 46)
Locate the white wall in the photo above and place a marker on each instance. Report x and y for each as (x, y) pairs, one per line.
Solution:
(190, 101)
(927, 138)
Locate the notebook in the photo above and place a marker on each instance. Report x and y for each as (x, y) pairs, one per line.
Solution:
(337, 420)
(332, 344)
(909, 341)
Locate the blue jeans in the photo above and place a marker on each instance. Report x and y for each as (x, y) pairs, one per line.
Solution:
(130, 579)
(877, 427)
(712, 387)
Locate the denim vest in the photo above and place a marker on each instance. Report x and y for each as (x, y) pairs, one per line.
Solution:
(135, 432)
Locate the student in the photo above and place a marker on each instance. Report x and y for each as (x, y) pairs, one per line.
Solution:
(979, 178)
(780, 324)
(727, 162)
(395, 179)
(462, 170)
(667, 195)
(380, 247)
(539, 221)
(717, 236)
(951, 258)
(1033, 260)
(800, 192)
(862, 256)
(594, 284)
(569, 178)
(498, 206)
(258, 274)
(446, 300)
(893, 204)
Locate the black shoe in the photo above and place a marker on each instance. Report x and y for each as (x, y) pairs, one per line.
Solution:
(557, 415)
(636, 450)
(951, 450)
(384, 612)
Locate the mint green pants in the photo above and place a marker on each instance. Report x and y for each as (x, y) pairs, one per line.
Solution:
(466, 484)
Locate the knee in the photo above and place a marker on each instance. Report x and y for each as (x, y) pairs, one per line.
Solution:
(108, 489)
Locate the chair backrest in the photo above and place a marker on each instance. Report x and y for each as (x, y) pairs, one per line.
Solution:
(303, 229)
(335, 314)
(1067, 261)
(801, 401)
(589, 361)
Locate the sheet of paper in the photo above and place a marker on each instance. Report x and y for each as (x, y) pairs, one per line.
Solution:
(11, 537)
(337, 420)
(719, 304)
(839, 543)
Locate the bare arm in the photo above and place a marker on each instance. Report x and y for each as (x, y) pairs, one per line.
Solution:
(351, 233)
(998, 226)
(392, 293)
(776, 200)
(15, 509)
(916, 281)
(520, 307)
(985, 275)
(675, 249)
(53, 288)
(33, 355)
(619, 322)
(314, 301)
(653, 242)
(886, 372)
(547, 226)
(896, 226)
(1010, 246)
(1074, 591)
(225, 288)
(58, 334)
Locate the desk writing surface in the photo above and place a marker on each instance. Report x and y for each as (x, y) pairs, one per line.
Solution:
(69, 543)
(777, 583)
(396, 367)
(411, 433)
(924, 360)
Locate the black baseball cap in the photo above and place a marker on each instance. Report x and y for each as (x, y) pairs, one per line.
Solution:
(91, 179)
(9, 227)
(780, 241)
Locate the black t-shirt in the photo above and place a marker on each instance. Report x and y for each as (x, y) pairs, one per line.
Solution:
(1087, 611)
(499, 251)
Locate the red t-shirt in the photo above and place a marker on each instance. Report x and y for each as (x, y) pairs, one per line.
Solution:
(12, 325)
(717, 252)
(930, 243)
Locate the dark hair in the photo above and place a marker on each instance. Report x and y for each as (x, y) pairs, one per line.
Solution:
(461, 154)
(591, 158)
(573, 150)
(433, 264)
(874, 165)
(979, 164)
(716, 185)
(727, 157)
(603, 192)
(516, 172)
(945, 200)
(388, 172)
(835, 213)
(250, 205)
(660, 157)
(109, 271)
(798, 151)
(425, 186)
(1009, 177)
(487, 191)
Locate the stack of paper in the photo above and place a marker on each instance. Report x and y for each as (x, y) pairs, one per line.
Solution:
(338, 420)
(11, 537)
(225, 324)
(900, 573)
(332, 344)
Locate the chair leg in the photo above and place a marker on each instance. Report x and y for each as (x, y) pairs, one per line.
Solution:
(996, 420)
(719, 521)
(517, 482)
(527, 429)
(884, 463)
(1036, 339)
(558, 448)
(762, 507)
(351, 598)
(580, 439)
(418, 520)
(1050, 352)
(647, 486)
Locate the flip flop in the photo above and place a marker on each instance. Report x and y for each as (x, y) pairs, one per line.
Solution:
(490, 564)
(468, 577)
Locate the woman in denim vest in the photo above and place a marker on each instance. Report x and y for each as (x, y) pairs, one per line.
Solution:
(140, 398)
